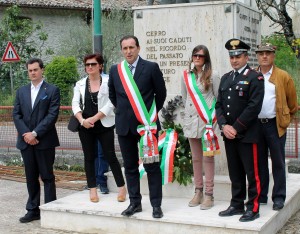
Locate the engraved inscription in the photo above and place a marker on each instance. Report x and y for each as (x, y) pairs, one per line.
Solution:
(167, 51)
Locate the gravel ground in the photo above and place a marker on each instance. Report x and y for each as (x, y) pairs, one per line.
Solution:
(292, 226)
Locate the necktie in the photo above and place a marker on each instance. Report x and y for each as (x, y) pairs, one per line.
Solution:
(235, 75)
(131, 68)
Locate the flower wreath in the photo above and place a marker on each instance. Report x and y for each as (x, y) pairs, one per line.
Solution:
(183, 167)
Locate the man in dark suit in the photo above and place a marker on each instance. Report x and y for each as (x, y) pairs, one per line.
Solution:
(35, 113)
(240, 98)
(150, 83)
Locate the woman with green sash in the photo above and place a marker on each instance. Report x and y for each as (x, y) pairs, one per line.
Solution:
(199, 90)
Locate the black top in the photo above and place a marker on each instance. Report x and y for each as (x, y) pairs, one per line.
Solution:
(90, 109)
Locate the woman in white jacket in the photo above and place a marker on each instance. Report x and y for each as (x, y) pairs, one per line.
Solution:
(207, 84)
(93, 109)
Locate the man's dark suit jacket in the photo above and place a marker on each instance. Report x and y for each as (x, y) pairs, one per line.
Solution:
(41, 118)
(150, 82)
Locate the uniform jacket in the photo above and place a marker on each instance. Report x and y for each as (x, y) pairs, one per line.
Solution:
(150, 82)
(239, 103)
(286, 98)
(41, 118)
(193, 125)
(104, 104)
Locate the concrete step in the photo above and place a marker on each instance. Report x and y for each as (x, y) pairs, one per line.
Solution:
(77, 213)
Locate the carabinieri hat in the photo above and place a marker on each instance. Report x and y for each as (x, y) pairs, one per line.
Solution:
(236, 47)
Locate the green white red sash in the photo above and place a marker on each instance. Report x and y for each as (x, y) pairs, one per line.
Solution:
(148, 149)
(167, 143)
(210, 142)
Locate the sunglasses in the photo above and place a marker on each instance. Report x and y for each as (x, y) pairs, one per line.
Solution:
(91, 64)
(198, 56)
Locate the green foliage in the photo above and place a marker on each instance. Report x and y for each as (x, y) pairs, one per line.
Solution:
(116, 24)
(77, 40)
(183, 167)
(62, 71)
(8, 101)
(286, 59)
(28, 38)
(78, 168)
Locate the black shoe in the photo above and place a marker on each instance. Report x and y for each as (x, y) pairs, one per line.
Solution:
(278, 205)
(132, 208)
(157, 213)
(103, 188)
(231, 211)
(249, 216)
(29, 217)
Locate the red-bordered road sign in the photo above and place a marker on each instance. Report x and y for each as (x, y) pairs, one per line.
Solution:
(10, 54)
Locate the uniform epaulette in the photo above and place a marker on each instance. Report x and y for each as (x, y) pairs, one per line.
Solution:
(246, 72)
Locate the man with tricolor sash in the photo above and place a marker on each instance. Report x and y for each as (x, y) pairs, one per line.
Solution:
(240, 98)
(137, 90)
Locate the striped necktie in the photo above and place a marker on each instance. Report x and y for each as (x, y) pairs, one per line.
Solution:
(131, 68)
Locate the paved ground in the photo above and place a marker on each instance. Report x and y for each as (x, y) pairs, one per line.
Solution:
(13, 197)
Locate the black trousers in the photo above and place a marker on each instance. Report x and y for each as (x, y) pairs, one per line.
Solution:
(129, 149)
(276, 144)
(242, 161)
(39, 163)
(88, 140)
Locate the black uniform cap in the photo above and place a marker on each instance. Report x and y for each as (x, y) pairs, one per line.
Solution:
(236, 47)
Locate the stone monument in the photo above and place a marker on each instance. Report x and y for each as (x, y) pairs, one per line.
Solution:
(168, 33)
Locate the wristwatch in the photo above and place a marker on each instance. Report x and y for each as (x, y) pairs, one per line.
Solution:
(34, 133)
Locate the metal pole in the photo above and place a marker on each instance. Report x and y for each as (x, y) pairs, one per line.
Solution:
(11, 80)
(97, 27)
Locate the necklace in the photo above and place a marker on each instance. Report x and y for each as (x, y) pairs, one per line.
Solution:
(90, 91)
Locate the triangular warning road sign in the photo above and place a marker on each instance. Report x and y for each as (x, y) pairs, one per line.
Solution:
(10, 54)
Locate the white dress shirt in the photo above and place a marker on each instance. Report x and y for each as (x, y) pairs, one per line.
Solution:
(269, 102)
(34, 92)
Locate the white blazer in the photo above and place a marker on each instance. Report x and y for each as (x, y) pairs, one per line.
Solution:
(104, 104)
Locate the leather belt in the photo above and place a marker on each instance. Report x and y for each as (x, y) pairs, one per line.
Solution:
(266, 120)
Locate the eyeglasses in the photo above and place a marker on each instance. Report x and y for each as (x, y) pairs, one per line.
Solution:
(91, 64)
(198, 56)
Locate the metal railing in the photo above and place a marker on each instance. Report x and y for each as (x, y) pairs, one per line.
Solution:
(70, 141)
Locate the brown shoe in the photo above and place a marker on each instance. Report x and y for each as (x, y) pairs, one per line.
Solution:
(197, 199)
(207, 203)
(93, 195)
(122, 194)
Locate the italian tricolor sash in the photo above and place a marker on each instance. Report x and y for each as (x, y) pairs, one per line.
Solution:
(167, 144)
(148, 149)
(210, 142)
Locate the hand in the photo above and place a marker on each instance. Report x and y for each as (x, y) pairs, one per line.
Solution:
(229, 132)
(88, 123)
(30, 139)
